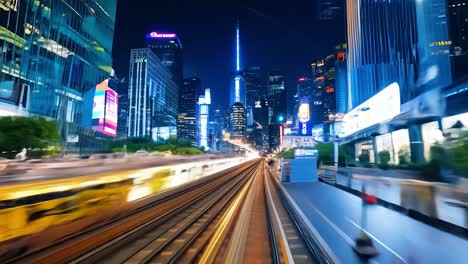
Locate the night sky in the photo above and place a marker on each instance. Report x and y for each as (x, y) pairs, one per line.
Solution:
(275, 34)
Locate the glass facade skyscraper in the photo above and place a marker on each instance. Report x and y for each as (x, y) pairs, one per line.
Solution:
(187, 119)
(341, 79)
(276, 95)
(152, 94)
(52, 53)
(253, 90)
(382, 41)
(457, 11)
(238, 118)
(168, 48)
(433, 45)
(396, 41)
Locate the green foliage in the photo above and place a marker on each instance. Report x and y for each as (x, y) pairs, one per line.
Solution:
(179, 147)
(404, 155)
(326, 154)
(17, 133)
(459, 149)
(364, 157)
(384, 159)
(187, 151)
(286, 154)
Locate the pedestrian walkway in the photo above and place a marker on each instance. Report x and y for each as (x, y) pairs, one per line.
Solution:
(338, 217)
(434, 199)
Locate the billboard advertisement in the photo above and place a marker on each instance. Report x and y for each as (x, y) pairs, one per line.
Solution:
(110, 122)
(383, 106)
(305, 128)
(99, 104)
(163, 133)
(105, 109)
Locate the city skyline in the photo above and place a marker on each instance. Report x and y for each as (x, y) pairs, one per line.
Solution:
(236, 131)
(265, 30)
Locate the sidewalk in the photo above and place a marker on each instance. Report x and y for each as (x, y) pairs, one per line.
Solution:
(433, 199)
(401, 174)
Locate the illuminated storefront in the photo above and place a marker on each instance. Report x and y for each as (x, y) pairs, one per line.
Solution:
(397, 143)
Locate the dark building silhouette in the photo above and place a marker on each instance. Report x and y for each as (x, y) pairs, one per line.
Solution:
(187, 122)
(330, 9)
(457, 12)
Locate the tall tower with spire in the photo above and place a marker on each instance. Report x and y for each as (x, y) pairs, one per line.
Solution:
(237, 47)
(237, 93)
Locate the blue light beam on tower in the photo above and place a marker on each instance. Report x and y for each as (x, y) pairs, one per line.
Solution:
(237, 47)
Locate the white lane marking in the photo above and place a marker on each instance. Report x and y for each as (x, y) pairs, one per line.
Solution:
(278, 220)
(310, 227)
(335, 227)
(376, 239)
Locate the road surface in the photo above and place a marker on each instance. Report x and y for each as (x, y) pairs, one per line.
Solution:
(339, 217)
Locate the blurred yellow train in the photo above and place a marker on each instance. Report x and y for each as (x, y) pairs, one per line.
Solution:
(29, 208)
(26, 209)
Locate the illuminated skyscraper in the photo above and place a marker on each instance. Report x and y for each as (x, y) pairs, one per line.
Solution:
(305, 92)
(152, 94)
(379, 51)
(168, 48)
(238, 118)
(433, 45)
(341, 79)
(237, 93)
(260, 116)
(396, 41)
(53, 52)
(203, 114)
(253, 90)
(457, 12)
(276, 95)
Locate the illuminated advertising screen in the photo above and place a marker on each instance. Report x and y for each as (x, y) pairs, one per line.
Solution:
(110, 122)
(99, 104)
(305, 128)
(105, 109)
(383, 106)
(163, 133)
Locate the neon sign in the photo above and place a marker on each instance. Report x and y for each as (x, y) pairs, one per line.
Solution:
(155, 34)
(341, 56)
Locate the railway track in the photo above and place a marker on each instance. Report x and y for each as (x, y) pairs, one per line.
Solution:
(237, 216)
